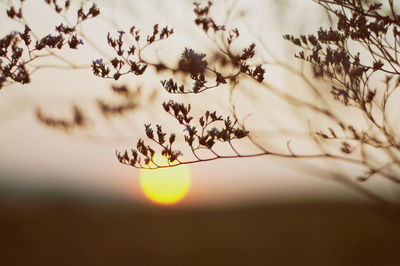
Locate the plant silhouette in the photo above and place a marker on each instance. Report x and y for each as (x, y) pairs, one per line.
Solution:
(357, 57)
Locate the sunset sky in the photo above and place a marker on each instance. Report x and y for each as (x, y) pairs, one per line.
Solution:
(34, 156)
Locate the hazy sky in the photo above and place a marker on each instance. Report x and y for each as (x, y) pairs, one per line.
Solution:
(34, 155)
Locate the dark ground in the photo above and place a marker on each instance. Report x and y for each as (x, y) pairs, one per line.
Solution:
(65, 232)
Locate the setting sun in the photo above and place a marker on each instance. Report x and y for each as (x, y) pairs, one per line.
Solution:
(165, 186)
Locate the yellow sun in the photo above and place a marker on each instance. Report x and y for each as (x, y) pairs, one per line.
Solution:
(167, 185)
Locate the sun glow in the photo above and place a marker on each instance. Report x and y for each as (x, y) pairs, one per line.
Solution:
(165, 186)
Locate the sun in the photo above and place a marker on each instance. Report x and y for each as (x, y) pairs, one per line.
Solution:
(165, 186)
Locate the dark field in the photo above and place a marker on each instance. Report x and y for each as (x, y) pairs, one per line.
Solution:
(64, 232)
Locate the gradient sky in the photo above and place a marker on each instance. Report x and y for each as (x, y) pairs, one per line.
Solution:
(33, 155)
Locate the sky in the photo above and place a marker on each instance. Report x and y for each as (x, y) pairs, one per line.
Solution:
(33, 155)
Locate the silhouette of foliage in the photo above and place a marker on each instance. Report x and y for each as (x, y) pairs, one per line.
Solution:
(20, 48)
(353, 56)
(352, 74)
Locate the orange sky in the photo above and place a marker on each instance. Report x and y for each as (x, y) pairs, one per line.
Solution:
(35, 155)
